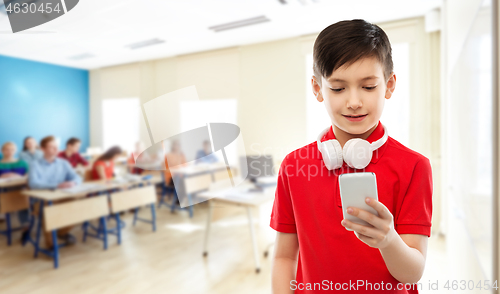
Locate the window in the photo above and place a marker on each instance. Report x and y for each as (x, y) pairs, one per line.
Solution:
(195, 114)
(483, 118)
(121, 122)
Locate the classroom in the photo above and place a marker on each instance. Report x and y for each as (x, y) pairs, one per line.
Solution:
(199, 147)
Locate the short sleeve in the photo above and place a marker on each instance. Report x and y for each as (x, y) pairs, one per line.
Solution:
(416, 209)
(282, 217)
(25, 165)
(21, 168)
(99, 163)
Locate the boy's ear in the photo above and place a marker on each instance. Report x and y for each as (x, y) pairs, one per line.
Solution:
(316, 89)
(391, 86)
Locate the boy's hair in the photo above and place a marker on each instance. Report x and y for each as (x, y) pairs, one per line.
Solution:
(72, 141)
(7, 144)
(46, 141)
(347, 41)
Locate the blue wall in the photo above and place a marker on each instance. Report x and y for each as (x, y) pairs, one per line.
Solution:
(39, 99)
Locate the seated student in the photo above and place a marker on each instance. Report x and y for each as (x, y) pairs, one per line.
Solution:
(51, 172)
(71, 154)
(206, 155)
(30, 150)
(9, 166)
(103, 167)
(131, 160)
(175, 158)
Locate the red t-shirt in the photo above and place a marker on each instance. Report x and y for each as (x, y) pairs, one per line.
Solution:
(307, 202)
(108, 169)
(74, 159)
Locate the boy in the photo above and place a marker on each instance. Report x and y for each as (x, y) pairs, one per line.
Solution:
(205, 155)
(71, 154)
(353, 75)
(51, 172)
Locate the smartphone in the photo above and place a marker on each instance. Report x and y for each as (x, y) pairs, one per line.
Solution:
(354, 188)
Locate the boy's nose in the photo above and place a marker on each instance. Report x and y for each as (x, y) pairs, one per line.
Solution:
(354, 102)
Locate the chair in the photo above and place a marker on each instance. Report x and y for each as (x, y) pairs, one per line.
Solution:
(10, 202)
(165, 189)
(135, 198)
(65, 214)
(190, 186)
(87, 175)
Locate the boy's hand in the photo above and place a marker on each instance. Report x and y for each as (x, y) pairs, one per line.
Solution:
(383, 232)
(10, 175)
(64, 185)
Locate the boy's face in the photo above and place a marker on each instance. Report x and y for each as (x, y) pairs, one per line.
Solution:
(51, 149)
(75, 148)
(9, 150)
(354, 103)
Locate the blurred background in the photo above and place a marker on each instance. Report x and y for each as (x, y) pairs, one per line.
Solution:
(90, 74)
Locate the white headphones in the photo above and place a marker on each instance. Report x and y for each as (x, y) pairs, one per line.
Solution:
(357, 153)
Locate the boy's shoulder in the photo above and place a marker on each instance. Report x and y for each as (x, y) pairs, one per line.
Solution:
(306, 153)
(403, 152)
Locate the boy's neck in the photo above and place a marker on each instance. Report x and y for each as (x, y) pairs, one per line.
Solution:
(343, 136)
(49, 159)
(8, 160)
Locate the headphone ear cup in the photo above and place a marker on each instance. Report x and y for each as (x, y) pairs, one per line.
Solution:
(357, 153)
(347, 151)
(332, 154)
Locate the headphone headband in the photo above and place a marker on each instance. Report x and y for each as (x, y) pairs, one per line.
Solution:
(377, 144)
(321, 136)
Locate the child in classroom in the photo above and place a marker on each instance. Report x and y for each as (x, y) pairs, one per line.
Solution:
(104, 165)
(10, 166)
(353, 78)
(30, 151)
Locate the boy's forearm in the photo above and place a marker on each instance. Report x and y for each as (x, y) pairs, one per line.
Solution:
(406, 264)
(283, 272)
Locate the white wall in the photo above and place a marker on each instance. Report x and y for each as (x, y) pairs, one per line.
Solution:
(267, 79)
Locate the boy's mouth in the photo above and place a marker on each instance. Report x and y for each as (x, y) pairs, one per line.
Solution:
(355, 118)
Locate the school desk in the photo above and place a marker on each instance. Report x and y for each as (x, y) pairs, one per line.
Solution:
(241, 195)
(10, 202)
(96, 188)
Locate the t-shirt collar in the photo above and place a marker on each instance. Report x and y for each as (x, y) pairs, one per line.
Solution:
(374, 136)
(44, 161)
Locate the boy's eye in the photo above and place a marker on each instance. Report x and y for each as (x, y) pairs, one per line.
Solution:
(337, 90)
(370, 88)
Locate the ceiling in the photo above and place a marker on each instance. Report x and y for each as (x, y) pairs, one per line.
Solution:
(97, 33)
